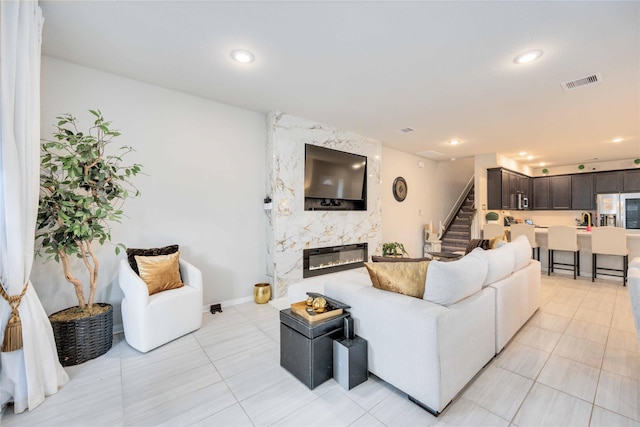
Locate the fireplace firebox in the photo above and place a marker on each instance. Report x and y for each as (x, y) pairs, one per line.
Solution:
(319, 261)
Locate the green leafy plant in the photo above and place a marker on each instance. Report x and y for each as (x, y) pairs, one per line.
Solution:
(637, 161)
(580, 167)
(82, 189)
(545, 171)
(393, 249)
(492, 216)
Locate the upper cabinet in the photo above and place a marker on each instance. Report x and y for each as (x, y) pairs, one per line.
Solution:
(503, 187)
(575, 191)
(560, 192)
(582, 195)
(631, 180)
(541, 193)
(552, 192)
(609, 182)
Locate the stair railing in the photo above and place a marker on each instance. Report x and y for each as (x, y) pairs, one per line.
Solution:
(458, 204)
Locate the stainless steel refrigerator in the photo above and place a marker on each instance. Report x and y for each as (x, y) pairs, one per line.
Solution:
(619, 210)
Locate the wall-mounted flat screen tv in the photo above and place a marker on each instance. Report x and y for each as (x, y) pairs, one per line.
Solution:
(334, 176)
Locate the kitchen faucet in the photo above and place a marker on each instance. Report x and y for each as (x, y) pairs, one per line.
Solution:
(586, 218)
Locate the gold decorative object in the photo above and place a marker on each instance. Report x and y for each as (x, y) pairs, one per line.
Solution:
(309, 301)
(319, 305)
(262, 293)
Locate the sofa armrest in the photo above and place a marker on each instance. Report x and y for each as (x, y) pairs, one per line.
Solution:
(389, 321)
(134, 288)
(190, 274)
(426, 350)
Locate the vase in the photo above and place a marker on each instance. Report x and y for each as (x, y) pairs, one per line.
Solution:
(262, 293)
(80, 340)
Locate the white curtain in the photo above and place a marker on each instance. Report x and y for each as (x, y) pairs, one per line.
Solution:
(33, 372)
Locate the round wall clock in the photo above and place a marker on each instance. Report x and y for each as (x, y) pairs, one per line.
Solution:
(400, 189)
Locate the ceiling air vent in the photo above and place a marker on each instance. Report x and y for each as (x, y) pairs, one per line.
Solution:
(595, 78)
(429, 153)
(406, 130)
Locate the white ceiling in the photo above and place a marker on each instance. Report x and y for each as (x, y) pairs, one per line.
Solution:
(374, 67)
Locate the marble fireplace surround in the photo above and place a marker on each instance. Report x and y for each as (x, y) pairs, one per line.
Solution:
(290, 228)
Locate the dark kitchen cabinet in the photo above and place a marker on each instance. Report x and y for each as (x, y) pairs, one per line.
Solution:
(524, 185)
(541, 193)
(631, 181)
(513, 190)
(609, 182)
(494, 189)
(560, 192)
(582, 195)
(503, 187)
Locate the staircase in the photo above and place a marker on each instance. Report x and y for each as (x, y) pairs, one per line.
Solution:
(458, 233)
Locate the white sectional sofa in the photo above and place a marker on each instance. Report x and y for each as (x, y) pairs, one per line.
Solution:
(431, 348)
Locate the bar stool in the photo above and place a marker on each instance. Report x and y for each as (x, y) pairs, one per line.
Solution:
(563, 238)
(609, 241)
(530, 232)
(492, 230)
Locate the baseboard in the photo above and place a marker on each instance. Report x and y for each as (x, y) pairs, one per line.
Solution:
(228, 303)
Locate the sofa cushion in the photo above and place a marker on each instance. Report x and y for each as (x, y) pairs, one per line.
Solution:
(160, 272)
(522, 252)
(498, 241)
(450, 282)
(500, 262)
(407, 278)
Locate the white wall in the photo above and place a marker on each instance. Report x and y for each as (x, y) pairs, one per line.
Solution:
(451, 178)
(203, 189)
(432, 191)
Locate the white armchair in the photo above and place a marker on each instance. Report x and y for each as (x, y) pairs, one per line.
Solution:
(150, 321)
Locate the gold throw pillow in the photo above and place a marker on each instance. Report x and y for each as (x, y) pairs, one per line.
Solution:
(161, 272)
(495, 241)
(407, 278)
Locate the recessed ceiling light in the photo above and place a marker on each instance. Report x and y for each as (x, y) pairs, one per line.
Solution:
(542, 164)
(528, 56)
(523, 153)
(454, 142)
(617, 140)
(529, 157)
(243, 56)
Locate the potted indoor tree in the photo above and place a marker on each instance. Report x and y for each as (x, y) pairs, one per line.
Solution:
(82, 189)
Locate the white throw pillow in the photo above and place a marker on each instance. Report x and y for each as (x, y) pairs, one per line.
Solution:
(522, 252)
(449, 282)
(500, 263)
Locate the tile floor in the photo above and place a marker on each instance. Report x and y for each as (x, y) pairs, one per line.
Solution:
(575, 363)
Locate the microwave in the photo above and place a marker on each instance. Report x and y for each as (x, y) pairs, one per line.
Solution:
(523, 202)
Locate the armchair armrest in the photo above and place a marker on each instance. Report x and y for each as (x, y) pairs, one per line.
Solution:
(132, 285)
(190, 274)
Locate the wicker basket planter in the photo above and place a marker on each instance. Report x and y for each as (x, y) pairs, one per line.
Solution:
(83, 339)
